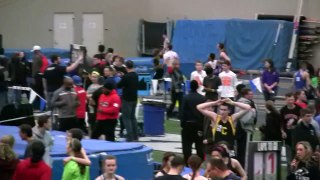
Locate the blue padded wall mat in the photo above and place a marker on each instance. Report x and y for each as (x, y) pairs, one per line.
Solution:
(248, 42)
(196, 39)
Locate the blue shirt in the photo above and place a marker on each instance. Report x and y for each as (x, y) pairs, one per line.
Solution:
(270, 77)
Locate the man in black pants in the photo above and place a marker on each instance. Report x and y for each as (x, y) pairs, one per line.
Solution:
(65, 99)
(192, 122)
(107, 112)
(177, 82)
(129, 84)
(245, 125)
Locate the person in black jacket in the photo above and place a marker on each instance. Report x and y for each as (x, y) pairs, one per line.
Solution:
(304, 131)
(192, 122)
(3, 83)
(273, 123)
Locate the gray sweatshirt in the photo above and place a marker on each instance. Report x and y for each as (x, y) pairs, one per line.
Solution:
(247, 120)
(66, 102)
(47, 140)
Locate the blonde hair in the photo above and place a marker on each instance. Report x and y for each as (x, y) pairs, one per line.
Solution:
(6, 152)
(306, 159)
(8, 139)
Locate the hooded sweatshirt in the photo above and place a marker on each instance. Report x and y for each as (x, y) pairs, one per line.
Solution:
(108, 106)
(47, 140)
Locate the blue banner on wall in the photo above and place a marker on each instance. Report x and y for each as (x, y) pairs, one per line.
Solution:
(247, 42)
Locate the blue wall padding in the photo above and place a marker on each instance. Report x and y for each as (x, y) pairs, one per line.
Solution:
(196, 39)
(248, 42)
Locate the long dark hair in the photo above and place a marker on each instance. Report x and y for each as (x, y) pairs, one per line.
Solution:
(76, 146)
(194, 163)
(271, 64)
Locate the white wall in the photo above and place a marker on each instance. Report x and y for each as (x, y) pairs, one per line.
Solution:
(27, 22)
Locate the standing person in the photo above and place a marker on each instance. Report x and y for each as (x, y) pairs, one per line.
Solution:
(290, 114)
(223, 54)
(211, 84)
(8, 159)
(41, 132)
(129, 84)
(304, 131)
(212, 61)
(301, 99)
(108, 110)
(217, 169)
(25, 133)
(192, 122)
(3, 82)
(54, 74)
(245, 125)
(72, 169)
(177, 166)
(194, 163)
(177, 82)
(119, 66)
(39, 65)
(166, 43)
(18, 77)
(273, 123)
(92, 106)
(158, 69)
(169, 57)
(269, 80)
(110, 167)
(65, 99)
(301, 79)
(109, 56)
(166, 163)
(82, 96)
(34, 167)
(228, 81)
(199, 74)
(302, 166)
(223, 124)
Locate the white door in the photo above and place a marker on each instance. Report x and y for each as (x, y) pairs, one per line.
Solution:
(63, 30)
(92, 32)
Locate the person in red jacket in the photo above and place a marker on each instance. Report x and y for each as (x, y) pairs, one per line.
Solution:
(82, 96)
(107, 112)
(33, 168)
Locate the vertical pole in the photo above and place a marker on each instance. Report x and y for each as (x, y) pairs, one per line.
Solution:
(296, 22)
(143, 39)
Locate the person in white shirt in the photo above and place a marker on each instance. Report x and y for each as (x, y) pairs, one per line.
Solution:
(169, 57)
(228, 81)
(199, 74)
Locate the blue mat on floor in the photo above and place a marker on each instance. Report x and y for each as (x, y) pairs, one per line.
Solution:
(134, 155)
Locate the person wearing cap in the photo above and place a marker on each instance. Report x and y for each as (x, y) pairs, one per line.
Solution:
(39, 64)
(82, 96)
(54, 74)
(65, 99)
(107, 113)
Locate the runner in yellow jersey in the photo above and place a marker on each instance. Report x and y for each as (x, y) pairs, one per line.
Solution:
(223, 124)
